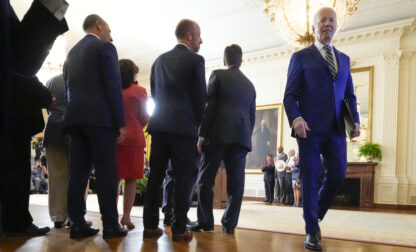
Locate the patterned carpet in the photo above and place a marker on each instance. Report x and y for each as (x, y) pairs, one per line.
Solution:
(382, 228)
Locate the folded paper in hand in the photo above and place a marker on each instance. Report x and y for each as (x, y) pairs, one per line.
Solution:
(348, 118)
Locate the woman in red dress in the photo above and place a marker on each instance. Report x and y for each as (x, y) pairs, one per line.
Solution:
(130, 152)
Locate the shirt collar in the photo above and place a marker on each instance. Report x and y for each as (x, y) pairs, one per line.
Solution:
(319, 45)
(184, 45)
(230, 66)
(93, 35)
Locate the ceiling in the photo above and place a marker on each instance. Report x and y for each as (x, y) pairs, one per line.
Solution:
(144, 29)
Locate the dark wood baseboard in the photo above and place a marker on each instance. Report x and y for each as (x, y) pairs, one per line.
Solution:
(376, 208)
(250, 198)
(396, 207)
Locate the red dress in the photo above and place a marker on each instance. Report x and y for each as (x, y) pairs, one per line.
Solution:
(130, 152)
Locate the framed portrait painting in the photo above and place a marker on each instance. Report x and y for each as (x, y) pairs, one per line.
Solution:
(267, 135)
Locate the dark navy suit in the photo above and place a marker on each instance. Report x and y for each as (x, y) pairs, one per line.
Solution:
(313, 94)
(93, 117)
(227, 127)
(178, 88)
(24, 46)
(269, 174)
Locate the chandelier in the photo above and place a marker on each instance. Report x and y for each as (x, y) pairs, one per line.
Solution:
(294, 18)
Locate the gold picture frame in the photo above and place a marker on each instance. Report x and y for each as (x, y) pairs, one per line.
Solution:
(273, 126)
(363, 80)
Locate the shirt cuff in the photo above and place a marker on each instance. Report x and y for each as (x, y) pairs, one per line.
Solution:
(57, 7)
(295, 120)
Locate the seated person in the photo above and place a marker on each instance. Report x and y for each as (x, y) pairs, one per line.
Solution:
(38, 177)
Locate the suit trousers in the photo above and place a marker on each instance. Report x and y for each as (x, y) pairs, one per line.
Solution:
(280, 187)
(317, 200)
(269, 190)
(93, 146)
(15, 173)
(181, 151)
(167, 202)
(234, 157)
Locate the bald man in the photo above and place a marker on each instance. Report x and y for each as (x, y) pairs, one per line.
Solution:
(318, 81)
(178, 88)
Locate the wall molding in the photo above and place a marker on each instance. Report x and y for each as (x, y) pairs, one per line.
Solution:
(391, 29)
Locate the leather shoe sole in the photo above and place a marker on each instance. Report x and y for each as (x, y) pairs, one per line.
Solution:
(186, 236)
(152, 232)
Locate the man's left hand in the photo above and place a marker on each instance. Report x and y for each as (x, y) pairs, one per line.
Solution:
(199, 145)
(356, 132)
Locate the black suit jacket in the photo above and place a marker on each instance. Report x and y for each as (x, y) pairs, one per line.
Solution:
(231, 108)
(93, 85)
(178, 88)
(24, 46)
(27, 98)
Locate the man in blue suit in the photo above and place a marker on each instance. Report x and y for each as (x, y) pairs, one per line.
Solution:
(24, 45)
(178, 87)
(94, 119)
(318, 81)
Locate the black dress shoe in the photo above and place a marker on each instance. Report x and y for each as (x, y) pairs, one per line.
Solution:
(195, 226)
(266, 200)
(227, 230)
(32, 230)
(114, 232)
(82, 232)
(312, 242)
(59, 224)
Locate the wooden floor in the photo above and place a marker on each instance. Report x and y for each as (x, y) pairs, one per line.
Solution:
(243, 240)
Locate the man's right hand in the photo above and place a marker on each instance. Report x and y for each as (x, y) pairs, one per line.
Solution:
(300, 126)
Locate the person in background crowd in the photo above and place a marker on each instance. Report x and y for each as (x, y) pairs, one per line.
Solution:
(269, 173)
(278, 180)
(296, 182)
(38, 177)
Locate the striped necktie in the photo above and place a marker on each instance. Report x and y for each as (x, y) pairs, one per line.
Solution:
(331, 62)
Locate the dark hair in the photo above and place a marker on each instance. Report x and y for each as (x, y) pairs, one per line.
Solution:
(90, 21)
(233, 55)
(127, 70)
(270, 155)
(184, 26)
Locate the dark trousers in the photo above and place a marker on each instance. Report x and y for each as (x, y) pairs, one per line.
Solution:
(167, 202)
(269, 189)
(317, 200)
(15, 171)
(234, 157)
(93, 146)
(181, 151)
(280, 186)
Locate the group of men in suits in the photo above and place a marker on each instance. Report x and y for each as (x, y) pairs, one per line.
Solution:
(188, 121)
(224, 117)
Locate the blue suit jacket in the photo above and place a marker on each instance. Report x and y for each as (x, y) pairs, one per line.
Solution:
(312, 93)
(178, 87)
(93, 85)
